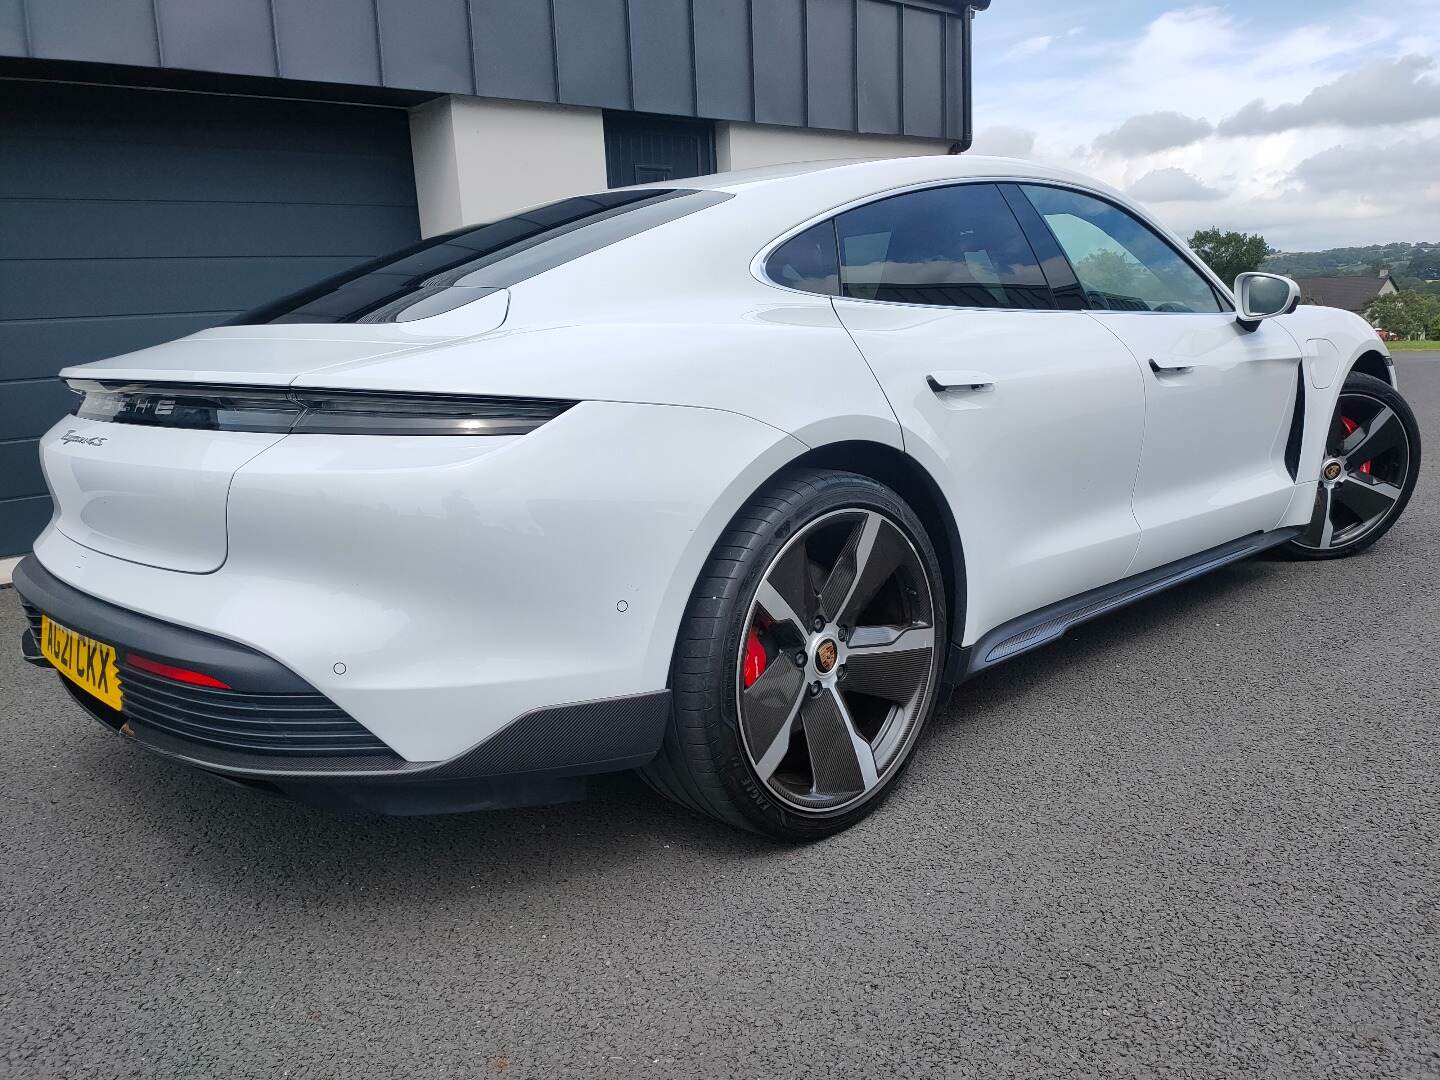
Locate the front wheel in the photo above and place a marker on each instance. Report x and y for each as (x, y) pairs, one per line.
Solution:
(1372, 459)
(809, 660)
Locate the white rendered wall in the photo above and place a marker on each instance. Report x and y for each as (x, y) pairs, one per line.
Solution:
(477, 159)
(745, 146)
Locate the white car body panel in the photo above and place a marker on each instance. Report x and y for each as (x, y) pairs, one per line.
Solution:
(459, 582)
(1064, 409)
(155, 496)
(1216, 420)
(432, 568)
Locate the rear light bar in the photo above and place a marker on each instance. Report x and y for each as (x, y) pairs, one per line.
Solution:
(326, 412)
(175, 674)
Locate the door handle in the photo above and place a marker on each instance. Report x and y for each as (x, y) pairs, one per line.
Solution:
(960, 382)
(1171, 369)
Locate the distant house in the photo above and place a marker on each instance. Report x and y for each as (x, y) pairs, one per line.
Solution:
(1348, 293)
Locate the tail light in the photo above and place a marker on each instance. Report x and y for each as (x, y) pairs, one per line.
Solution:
(328, 412)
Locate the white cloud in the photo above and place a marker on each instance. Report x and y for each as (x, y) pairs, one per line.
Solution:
(1150, 132)
(1381, 93)
(1029, 46)
(1386, 172)
(1172, 185)
(1005, 142)
(1294, 182)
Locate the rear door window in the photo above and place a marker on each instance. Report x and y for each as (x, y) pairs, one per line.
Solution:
(957, 246)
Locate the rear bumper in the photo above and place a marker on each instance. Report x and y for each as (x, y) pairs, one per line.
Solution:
(251, 733)
(435, 589)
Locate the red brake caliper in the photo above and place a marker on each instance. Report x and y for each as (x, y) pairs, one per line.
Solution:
(755, 659)
(1350, 426)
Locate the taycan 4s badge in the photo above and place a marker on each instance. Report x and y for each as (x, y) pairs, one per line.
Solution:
(83, 440)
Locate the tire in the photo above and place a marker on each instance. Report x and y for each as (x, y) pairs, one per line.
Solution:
(818, 542)
(1373, 480)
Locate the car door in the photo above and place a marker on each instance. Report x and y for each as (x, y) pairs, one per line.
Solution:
(1030, 416)
(1218, 398)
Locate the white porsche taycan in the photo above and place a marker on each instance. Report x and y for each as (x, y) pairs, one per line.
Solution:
(728, 482)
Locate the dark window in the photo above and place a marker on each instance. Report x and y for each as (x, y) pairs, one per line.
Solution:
(1122, 263)
(447, 271)
(807, 262)
(956, 246)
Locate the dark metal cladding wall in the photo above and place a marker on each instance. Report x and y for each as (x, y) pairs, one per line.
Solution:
(130, 217)
(888, 66)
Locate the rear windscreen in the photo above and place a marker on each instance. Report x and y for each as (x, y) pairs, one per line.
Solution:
(447, 271)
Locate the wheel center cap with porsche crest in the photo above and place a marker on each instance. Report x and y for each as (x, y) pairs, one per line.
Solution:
(825, 655)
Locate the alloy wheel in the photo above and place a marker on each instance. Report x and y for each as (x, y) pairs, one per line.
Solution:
(1367, 461)
(838, 661)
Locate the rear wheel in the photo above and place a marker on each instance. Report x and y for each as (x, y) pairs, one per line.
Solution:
(809, 659)
(1372, 458)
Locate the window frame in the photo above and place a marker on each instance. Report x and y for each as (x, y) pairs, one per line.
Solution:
(1222, 294)
(758, 264)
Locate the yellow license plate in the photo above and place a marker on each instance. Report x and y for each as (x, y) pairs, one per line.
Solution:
(88, 663)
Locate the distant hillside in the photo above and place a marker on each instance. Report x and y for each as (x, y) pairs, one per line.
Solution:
(1408, 263)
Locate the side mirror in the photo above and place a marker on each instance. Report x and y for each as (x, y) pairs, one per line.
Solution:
(1263, 296)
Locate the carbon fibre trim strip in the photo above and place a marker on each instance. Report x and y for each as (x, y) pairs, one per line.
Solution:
(1028, 632)
(609, 735)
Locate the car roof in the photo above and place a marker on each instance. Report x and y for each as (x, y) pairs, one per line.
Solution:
(889, 172)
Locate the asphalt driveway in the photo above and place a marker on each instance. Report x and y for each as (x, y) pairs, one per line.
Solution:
(1200, 838)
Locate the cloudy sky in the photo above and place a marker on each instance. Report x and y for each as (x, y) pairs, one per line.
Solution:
(1314, 122)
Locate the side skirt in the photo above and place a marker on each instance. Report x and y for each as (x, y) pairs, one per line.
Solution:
(1018, 636)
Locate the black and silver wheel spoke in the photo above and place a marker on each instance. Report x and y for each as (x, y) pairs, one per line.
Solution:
(890, 664)
(841, 760)
(768, 712)
(1380, 433)
(1321, 529)
(1369, 499)
(785, 593)
(877, 550)
(845, 617)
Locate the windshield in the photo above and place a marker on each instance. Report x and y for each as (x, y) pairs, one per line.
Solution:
(444, 272)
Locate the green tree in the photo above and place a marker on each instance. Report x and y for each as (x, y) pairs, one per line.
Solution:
(1409, 314)
(1230, 254)
(1426, 266)
(1112, 273)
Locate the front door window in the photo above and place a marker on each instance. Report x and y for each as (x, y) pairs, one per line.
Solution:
(1122, 264)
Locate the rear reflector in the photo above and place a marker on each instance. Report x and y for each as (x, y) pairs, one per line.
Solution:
(176, 674)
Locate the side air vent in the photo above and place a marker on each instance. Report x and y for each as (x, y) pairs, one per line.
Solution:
(1297, 426)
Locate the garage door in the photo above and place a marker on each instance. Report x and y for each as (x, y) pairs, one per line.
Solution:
(130, 217)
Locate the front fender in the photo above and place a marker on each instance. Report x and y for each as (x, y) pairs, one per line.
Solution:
(1332, 342)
